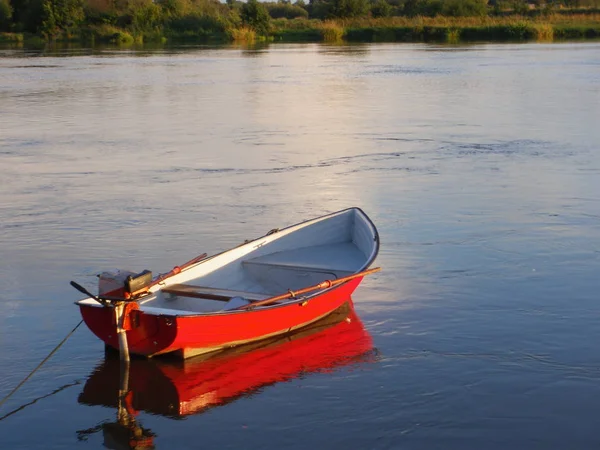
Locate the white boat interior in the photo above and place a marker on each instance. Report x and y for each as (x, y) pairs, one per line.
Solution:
(326, 248)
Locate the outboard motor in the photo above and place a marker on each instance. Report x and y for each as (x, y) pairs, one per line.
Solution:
(123, 284)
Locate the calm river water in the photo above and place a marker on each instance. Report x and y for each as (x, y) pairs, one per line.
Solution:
(479, 164)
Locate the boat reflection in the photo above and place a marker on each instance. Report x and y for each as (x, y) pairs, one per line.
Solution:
(176, 388)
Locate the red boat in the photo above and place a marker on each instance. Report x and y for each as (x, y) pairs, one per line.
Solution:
(175, 390)
(282, 281)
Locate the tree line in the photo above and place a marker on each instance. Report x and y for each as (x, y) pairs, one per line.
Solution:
(117, 19)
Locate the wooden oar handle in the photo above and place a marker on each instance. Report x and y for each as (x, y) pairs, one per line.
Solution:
(178, 269)
(323, 285)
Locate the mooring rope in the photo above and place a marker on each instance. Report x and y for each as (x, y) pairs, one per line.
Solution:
(40, 364)
(55, 391)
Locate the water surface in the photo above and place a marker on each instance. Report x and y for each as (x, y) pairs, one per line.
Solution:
(479, 165)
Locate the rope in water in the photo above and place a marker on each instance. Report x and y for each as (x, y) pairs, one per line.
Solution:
(40, 364)
(55, 391)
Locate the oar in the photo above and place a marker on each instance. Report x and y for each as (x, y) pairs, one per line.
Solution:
(323, 285)
(80, 288)
(118, 308)
(177, 269)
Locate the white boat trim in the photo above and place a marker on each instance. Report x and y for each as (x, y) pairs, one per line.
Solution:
(328, 247)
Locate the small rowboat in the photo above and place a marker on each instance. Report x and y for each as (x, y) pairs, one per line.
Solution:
(282, 281)
(177, 389)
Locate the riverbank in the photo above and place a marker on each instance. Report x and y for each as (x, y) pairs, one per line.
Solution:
(395, 29)
(451, 29)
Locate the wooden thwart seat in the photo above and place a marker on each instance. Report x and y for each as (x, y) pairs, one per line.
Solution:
(210, 293)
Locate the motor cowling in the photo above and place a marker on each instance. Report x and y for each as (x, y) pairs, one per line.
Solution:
(123, 283)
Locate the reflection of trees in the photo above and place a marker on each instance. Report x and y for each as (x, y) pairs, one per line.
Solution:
(349, 49)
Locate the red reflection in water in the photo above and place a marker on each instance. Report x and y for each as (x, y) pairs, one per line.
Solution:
(175, 388)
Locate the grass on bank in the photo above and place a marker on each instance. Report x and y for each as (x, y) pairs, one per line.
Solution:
(195, 27)
(242, 34)
(449, 29)
(11, 38)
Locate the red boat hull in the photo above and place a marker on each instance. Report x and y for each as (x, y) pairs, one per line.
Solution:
(177, 390)
(188, 335)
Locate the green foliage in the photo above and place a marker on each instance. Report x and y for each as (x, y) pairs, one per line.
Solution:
(312, 34)
(319, 9)
(256, 16)
(549, 8)
(11, 38)
(146, 18)
(285, 10)
(464, 8)
(415, 33)
(198, 19)
(174, 8)
(453, 35)
(338, 9)
(195, 25)
(49, 26)
(126, 21)
(381, 8)
(242, 34)
(497, 7)
(27, 15)
(122, 37)
(520, 7)
(446, 8)
(60, 16)
(332, 32)
(93, 17)
(107, 34)
(544, 32)
(20, 9)
(520, 31)
(575, 31)
(350, 8)
(429, 8)
(410, 8)
(6, 13)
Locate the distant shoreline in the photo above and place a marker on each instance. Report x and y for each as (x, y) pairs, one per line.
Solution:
(556, 27)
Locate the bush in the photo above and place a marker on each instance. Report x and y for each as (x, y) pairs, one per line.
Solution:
(286, 10)
(6, 13)
(11, 38)
(196, 24)
(338, 9)
(520, 7)
(350, 8)
(520, 31)
(242, 34)
(61, 16)
(107, 34)
(175, 8)
(464, 8)
(381, 8)
(256, 16)
(332, 32)
(146, 18)
(544, 32)
(429, 8)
